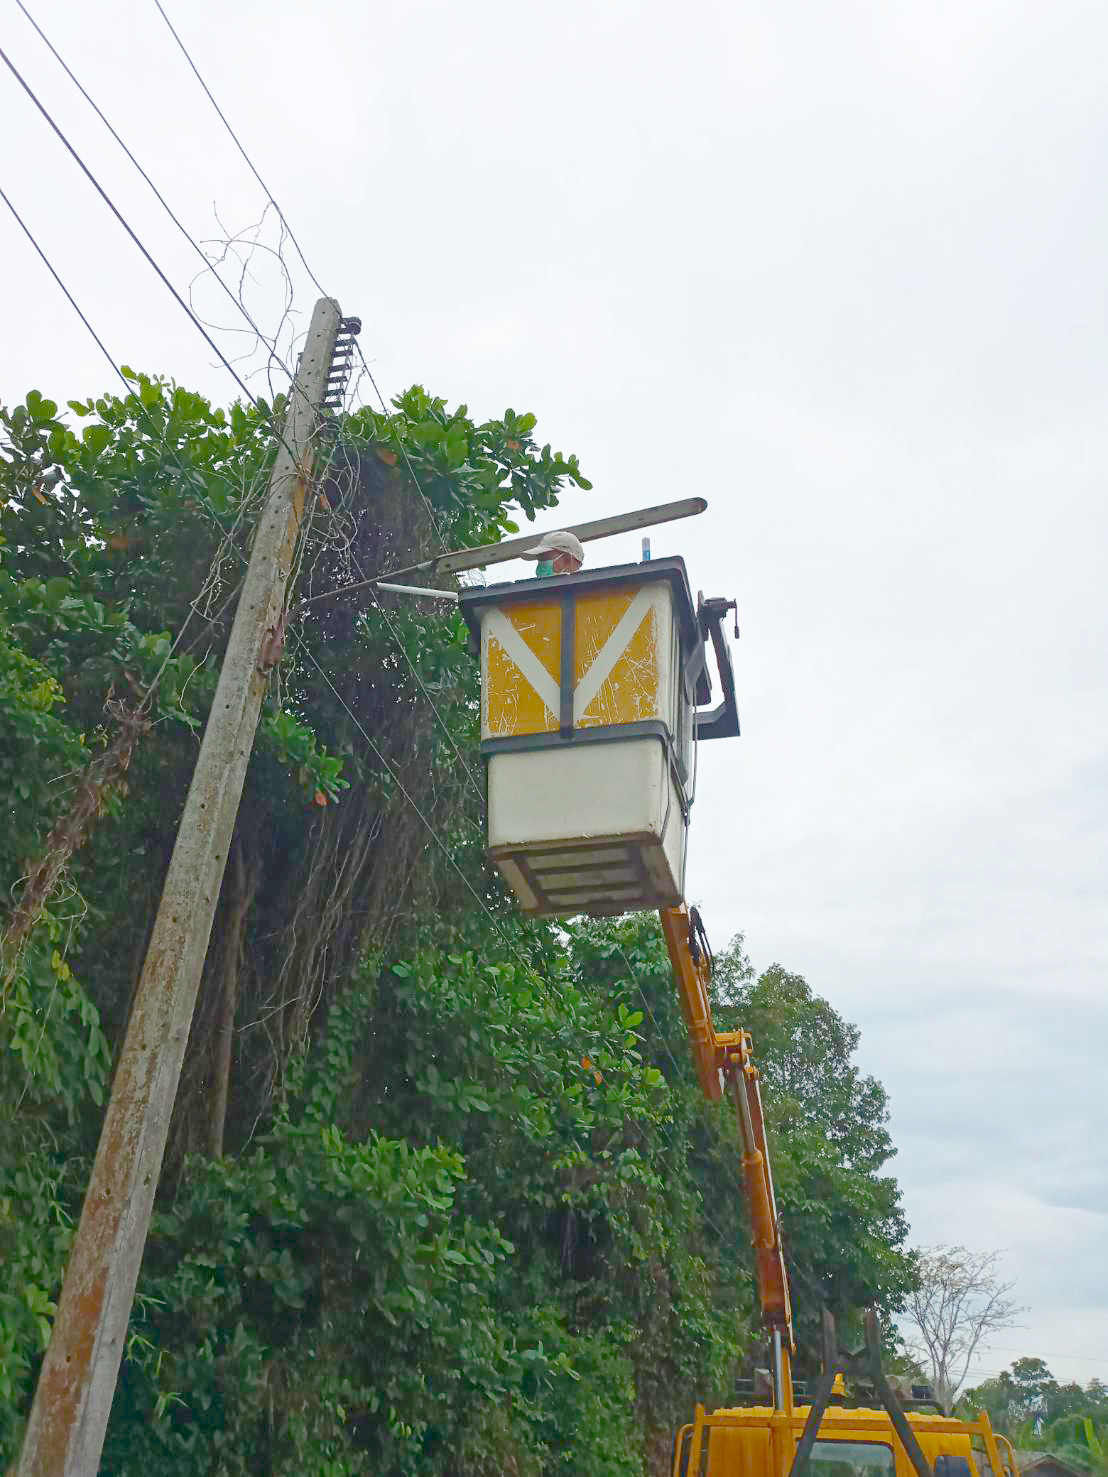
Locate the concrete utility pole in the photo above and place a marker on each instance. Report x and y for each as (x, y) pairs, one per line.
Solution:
(65, 1435)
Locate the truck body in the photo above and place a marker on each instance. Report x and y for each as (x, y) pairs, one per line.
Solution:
(760, 1441)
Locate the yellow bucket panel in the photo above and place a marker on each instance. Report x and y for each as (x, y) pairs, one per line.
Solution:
(524, 660)
(595, 617)
(630, 694)
(539, 623)
(617, 668)
(615, 649)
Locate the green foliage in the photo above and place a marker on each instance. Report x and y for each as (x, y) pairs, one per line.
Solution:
(347, 1274)
(846, 1229)
(296, 748)
(54, 1067)
(472, 472)
(1028, 1405)
(330, 1276)
(844, 1226)
(473, 1216)
(36, 746)
(35, 1230)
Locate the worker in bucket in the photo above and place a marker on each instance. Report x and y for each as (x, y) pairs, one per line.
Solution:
(557, 553)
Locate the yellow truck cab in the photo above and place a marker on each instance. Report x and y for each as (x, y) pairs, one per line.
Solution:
(761, 1442)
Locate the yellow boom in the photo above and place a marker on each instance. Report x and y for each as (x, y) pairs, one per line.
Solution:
(724, 1062)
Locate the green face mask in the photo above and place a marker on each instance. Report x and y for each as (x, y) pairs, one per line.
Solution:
(543, 568)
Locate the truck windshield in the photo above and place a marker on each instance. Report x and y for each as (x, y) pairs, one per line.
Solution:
(851, 1459)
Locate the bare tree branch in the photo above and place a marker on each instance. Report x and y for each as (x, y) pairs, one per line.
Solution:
(958, 1300)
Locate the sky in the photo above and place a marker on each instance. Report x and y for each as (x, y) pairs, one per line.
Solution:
(840, 269)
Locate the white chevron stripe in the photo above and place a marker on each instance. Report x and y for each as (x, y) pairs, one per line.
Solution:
(497, 624)
(610, 653)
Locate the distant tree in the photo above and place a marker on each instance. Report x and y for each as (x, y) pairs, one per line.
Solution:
(998, 1398)
(1033, 1385)
(1028, 1404)
(958, 1299)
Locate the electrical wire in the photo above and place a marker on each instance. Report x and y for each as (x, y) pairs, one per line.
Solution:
(676, 1065)
(403, 452)
(278, 432)
(227, 365)
(157, 193)
(123, 222)
(1046, 1354)
(435, 523)
(227, 537)
(428, 827)
(300, 252)
(439, 720)
(238, 145)
(25, 228)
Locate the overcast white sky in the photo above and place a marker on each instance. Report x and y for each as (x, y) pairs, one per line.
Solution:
(839, 268)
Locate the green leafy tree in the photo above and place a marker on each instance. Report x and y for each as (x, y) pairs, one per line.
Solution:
(845, 1229)
(442, 1196)
(844, 1226)
(1029, 1406)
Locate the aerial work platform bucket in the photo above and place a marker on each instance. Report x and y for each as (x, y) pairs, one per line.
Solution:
(589, 685)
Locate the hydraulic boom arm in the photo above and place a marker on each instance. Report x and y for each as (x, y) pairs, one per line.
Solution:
(723, 1063)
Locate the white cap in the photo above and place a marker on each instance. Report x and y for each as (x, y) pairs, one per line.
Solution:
(556, 543)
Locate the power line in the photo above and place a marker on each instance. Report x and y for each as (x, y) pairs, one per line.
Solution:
(276, 429)
(123, 222)
(403, 452)
(238, 145)
(1046, 1354)
(646, 1005)
(72, 300)
(439, 719)
(292, 237)
(435, 522)
(187, 235)
(411, 470)
(157, 193)
(227, 536)
(428, 827)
